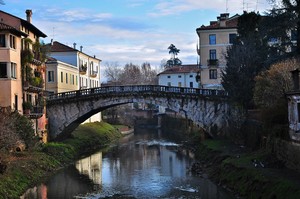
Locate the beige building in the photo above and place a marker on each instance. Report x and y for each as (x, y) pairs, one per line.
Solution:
(214, 40)
(22, 68)
(61, 77)
(72, 69)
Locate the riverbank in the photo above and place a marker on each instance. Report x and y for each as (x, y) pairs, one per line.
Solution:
(247, 174)
(27, 168)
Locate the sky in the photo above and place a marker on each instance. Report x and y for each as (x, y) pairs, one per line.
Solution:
(128, 31)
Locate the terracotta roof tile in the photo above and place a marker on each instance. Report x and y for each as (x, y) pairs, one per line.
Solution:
(27, 24)
(232, 22)
(59, 47)
(193, 68)
(9, 28)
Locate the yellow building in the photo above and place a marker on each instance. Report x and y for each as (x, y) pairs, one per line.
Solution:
(22, 68)
(61, 77)
(214, 40)
(71, 69)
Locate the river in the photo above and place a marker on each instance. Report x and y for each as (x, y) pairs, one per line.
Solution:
(141, 165)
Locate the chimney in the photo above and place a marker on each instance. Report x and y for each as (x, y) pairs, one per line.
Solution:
(74, 45)
(51, 42)
(81, 48)
(223, 18)
(28, 15)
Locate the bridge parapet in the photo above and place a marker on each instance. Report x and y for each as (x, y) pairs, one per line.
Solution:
(136, 89)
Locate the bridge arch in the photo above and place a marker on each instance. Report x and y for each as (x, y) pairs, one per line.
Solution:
(66, 111)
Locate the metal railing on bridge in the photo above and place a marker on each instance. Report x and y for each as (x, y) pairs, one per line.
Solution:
(137, 89)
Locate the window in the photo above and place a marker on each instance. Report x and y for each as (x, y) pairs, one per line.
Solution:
(50, 76)
(13, 70)
(3, 70)
(61, 77)
(294, 35)
(76, 80)
(169, 83)
(213, 74)
(91, 68)
(232, 38)
(179, 76)
(212, 39)
(12, 41)
(273, 40)
(191, 85)
(179, 84)
(191, 76)
(66, 78)
(73, 80)
(169, 76)
(213, 54)
(2, 40)
(29, 98)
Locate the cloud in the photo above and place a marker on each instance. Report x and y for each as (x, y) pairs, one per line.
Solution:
(177, 7)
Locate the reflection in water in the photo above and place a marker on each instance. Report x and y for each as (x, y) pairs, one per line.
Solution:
(92, 167)
(141, 166)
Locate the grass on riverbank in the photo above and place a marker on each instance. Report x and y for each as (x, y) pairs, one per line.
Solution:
(25, 169)
(251, 175)
(86, 138)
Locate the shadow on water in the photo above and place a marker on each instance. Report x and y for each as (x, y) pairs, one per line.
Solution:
(141, 165)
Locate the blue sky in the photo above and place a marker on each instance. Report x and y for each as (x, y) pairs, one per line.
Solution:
(127, 31)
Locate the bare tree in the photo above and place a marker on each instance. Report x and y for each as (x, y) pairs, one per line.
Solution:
(131, 75)
(112, 72)
(149, 76)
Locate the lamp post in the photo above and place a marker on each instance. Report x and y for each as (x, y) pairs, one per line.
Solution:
(198, 79)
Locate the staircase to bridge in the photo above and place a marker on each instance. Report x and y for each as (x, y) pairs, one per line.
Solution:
(207, 108)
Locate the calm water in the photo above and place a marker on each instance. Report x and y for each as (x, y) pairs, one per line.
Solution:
(141, 165)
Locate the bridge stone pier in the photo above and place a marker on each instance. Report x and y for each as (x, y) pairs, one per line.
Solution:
(208, 109)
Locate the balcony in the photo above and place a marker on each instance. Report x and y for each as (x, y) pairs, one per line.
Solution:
(36, 112)
(213, 62)
(94, 73)
(82, 69)
(33, 112)
(27, 86)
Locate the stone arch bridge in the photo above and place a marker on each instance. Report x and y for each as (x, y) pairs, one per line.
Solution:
(205, 107)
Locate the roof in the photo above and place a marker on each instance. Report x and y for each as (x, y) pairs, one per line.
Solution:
(193, 68)
(27, 24)
(11, 29)
(231, 22)
(59, 47)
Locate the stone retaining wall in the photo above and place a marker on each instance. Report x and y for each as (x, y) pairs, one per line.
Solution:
(288, 152)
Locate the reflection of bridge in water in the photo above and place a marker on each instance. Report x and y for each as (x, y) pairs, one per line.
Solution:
(205, 107)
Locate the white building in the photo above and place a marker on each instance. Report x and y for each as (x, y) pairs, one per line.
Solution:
(180, 76)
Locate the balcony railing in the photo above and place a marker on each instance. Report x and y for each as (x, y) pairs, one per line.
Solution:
(35, 112)
(27, 86)
(94, 73)
(212, 62)
(82, 69)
